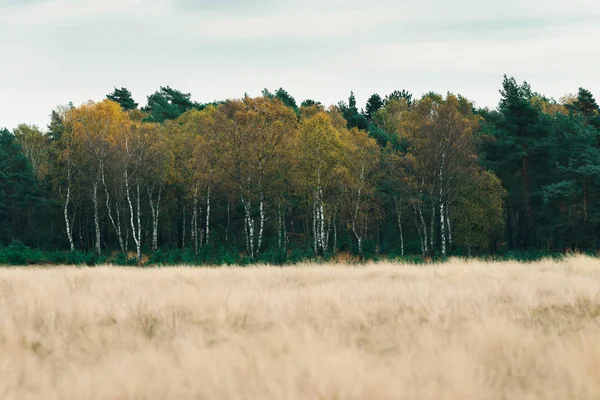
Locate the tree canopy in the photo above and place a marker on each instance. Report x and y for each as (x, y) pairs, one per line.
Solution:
(265, 178)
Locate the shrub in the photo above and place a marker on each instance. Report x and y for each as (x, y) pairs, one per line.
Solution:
(123, 260)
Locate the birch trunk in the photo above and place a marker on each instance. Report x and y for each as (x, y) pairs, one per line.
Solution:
(316, 240)
(66, 212)
(139, 221)
(97, 245)
(424, 227)
(155, 220)
(117, 227)
(262, 219)
(322, 222)
(449, 226)
(249, 226)
(194, 224)
(207, 236)
(443, 228)
(432, 227)
(155, 209)
(120, 231)
(442, 207)
(399, 216)
(356, 208)
(250, 229)
(134, 231)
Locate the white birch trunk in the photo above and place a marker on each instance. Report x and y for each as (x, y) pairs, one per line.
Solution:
(322, 222)
(250, 229)
(432, 227)
(356, 208)
(442, 207)
(155, 209)
(449, 226)
(117, 227)
(194, 224)
(316, 239)
(152, 211)
(248, 224)
(399, 216)
(120, 232)
(66, 212)
(96, 218)
(247, 229)
(207, 237)
(139, 221)
(424, 227)
(262, 219)
(155, 225)
(136, 238)
(443, 229)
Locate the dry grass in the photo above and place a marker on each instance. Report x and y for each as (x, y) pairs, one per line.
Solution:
(458, 331)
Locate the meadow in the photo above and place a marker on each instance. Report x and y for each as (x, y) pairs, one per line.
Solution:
(459, 330)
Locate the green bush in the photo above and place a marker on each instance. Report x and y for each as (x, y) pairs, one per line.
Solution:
(123, 260)
(19, 254)
(273, 256)
(226, 257)
(301, 254)
(531, 255)
(157, 258)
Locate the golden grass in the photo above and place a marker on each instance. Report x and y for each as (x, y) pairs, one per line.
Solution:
(465, 330)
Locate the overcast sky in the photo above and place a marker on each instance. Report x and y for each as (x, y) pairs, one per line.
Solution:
(56, 51)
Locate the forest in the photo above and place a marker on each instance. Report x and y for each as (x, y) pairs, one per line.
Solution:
(267, 180)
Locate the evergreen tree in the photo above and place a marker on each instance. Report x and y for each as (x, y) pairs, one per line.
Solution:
(18, 193)
(512, 147)
(586, 104)
(374, 103)
(123, 97)
(354, 118)
(571, 200)
(168, 104)
(287, 98)
(309, 103)
(399, 95)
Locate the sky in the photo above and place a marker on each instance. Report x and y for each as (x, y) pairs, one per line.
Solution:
(56, 51)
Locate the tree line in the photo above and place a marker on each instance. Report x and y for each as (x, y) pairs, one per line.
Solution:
(432, 176)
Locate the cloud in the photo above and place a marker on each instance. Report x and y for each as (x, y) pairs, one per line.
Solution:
(75, 50)
(235, 6)
(20, 3)
(556, 53)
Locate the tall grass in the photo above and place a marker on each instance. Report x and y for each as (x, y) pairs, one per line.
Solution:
(460, 330)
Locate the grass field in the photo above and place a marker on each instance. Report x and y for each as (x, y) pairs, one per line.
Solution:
(464, 330)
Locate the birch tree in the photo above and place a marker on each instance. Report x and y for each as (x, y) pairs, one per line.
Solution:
(203, 174)
(254, 134)
(65, 176)
(94, 127)
(319, 172)
(362, 160)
